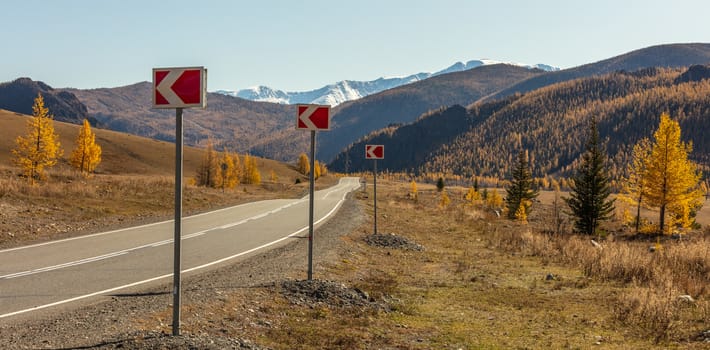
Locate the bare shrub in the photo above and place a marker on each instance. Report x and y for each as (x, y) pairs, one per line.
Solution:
(689, 264)
(651, 308)
(622, 262)
(459, 213)
(8, 186)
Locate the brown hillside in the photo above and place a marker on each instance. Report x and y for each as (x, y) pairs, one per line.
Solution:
(123, 153)
(231, 122)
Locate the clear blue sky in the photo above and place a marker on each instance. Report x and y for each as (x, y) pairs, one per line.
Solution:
(301, 45)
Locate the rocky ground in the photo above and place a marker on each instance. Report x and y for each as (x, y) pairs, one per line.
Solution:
(126, 320)
(390, 240)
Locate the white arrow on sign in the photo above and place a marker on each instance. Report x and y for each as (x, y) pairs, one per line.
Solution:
(371, 152)
(305, 117)
(165, 87)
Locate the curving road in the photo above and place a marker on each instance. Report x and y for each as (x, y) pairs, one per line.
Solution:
(58, 272)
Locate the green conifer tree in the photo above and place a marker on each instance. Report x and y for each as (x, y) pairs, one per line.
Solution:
(520, 191)
(589, 201)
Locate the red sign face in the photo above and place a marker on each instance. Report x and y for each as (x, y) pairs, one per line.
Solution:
(374, 151)
(179, 87)
(313, 117)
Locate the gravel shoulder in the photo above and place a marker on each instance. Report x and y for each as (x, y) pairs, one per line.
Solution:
(125, 319)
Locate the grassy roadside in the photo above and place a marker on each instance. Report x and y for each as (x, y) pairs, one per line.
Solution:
(70, 205)
(471, 288)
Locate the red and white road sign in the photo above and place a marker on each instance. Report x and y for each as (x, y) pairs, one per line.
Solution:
(179, 87)
(374, 151)
(313, 117)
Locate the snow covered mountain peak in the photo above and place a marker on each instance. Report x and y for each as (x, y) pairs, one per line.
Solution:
(348, 90)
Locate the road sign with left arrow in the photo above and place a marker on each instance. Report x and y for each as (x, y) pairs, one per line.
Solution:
(374, 151)
(313, 117)
(179, 87)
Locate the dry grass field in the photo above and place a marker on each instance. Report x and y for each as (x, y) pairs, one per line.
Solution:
(481, 282)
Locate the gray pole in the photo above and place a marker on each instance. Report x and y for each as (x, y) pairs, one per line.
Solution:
(374, 189)
(178, 219)
(310, 205)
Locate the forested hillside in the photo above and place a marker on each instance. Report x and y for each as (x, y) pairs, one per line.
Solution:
(18, 96)
(550, 123)
(663, 56)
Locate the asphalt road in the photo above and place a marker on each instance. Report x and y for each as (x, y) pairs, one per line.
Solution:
(50, 274)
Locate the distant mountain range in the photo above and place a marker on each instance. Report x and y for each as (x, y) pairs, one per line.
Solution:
(490, 96)
(349, 90)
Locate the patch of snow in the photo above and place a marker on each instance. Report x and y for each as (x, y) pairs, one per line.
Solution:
(348, 90)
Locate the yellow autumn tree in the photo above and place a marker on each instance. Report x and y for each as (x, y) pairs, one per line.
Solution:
(673, 180)
(472, 196)
(316, 173)
(227, 174)
(272, 176)
(304, 166)
(207, 171)
(87, 154)
(413, 191)
(494, 200)
(40, 148)
(445, 200)
(250, 174)
(521, 213)
(238, 167)
(635, 185)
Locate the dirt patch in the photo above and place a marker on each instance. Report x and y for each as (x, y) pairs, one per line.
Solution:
(390, 240)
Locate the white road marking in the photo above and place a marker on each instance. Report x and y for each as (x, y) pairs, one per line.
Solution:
(61, 266)
(126, 251)
(14, 313)
(121, 230)
(149, 245)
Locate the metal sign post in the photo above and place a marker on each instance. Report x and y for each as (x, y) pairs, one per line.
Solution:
(374, 189)
(375, 152)
(178, 221)
(180, 87)
(310, 205)
(312, 117)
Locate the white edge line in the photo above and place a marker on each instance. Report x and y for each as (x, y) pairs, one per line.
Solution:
(337, 206)
(149, 245)
(123, 229)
